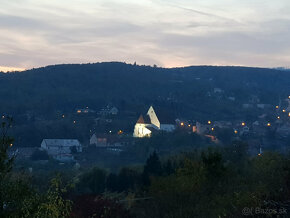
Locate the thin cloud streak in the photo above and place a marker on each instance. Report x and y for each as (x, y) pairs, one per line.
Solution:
(167, 33)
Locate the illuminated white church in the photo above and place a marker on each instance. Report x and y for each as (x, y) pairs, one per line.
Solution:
(151, 122)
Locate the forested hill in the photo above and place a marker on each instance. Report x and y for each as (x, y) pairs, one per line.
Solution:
(66, 87)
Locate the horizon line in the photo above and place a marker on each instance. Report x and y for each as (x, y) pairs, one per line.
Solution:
(7, 69)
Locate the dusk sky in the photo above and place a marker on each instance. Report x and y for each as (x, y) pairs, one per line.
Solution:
(168, 33)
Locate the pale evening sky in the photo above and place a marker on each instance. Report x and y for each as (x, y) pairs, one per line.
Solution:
(168, 33)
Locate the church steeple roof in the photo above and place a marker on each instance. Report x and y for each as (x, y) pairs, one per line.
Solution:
(141, 120)
(144, 120)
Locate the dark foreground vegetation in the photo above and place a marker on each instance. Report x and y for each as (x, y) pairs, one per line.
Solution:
(212, 182)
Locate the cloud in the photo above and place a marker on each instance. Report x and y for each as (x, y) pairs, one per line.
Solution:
(164, 32)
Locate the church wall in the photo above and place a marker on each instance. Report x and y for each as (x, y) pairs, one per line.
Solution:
(153, 117)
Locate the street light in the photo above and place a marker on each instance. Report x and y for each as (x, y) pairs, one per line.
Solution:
(243, 123)
(209, 122)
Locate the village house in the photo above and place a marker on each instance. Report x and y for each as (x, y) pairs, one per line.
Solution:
(152, 122)
(263, 106)
(107, 140)
(23, 152)
(201, 129)
(283, 131)
(84, 110)
(288, 108)
(218, 90)
(109, 110)
(61, 149)
(98, 140)
(247, 106)
(244, 130)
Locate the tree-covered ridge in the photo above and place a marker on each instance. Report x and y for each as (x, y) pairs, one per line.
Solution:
(63, 87)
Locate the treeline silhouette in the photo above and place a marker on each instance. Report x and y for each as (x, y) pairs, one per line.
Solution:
(65, 87)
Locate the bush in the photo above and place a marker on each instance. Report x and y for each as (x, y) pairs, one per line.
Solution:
(39, 155)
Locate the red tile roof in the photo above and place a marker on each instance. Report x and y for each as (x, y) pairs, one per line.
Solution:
(141, 119)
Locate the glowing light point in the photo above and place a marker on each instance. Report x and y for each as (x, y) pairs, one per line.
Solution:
(120, 132)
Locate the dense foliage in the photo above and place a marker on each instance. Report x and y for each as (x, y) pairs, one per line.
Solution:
(66, 87)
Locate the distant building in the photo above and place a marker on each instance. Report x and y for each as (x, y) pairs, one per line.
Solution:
(263, 106)
(254, 99)
(98, 141)
(114, 111)
(246, 106)
(152, 122)
(109, 110)
(24, 152)
(222, 124)
(201, 129)
(244, 130)
(107, 140)
(283, 131)
(85, 111)
(288, 108)
(103, 120)
(61, 149)
(217, 90)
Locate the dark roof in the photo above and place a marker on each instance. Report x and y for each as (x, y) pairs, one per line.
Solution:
(164, 116)
(152, 129)
(141, 119)
(144, 120)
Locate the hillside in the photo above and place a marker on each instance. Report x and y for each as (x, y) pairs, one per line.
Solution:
(65, 87)
(197, 93)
